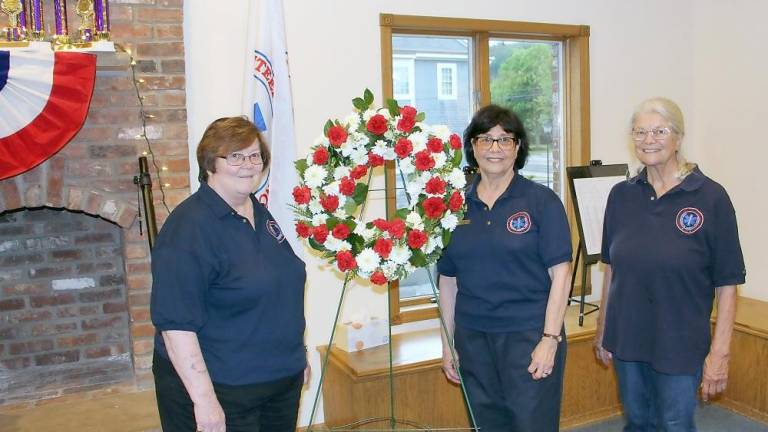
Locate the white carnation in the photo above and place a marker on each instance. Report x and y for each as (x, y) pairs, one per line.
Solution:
(314, 176)
(419, 141)
(440, 131)
(432, 243)
(368, 114)
(315, 207)
(352, 121)
(319, 218)
(358, 139)
(382, 149)
(456, 179)
(414, 189)
(368, 260)
(406, 166)
(322, 140)
(389, 269)
(400, 254)
(440, 159)
(340, 172)
(413, 220)
(332, 189)
(385, 113)
(340, 212)
(336, 245)
(449, 222)
(359, 156)
(347, 147)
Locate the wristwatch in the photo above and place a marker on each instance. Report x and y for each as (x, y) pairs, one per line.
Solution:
(557, 337)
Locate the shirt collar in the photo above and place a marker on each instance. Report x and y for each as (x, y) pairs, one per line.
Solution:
(691, 182)
(217, 204)
(513, 190)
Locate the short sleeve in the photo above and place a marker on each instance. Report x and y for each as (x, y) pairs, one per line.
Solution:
(554, 233)
(180, 278)
(605, 242)
(445, 265)
(728, 260)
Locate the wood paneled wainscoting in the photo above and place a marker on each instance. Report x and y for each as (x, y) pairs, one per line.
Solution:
(357, 384)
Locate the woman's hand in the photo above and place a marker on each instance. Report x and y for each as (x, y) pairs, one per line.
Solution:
(451, 367)
(603, 355)
(307, 373)
(209, 415)
(543, 358)
(715, 376)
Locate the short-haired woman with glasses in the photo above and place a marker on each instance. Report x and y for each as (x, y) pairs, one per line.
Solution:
(504, 284)
(227, 299)
(670, 244)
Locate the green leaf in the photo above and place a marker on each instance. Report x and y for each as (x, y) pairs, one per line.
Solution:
(350, 207)
(315, 245)
(418, 259)
(368, 96)
(456, 161)
(356, 242)
(328, 125)
(402, 213)
(394, 109)
(446, 238)
(301, 166)
(421, 116)
(332, 222)
(360, 104)
(361, 192)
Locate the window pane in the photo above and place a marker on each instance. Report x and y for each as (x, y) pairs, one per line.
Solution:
(526, 77)
(445, 97)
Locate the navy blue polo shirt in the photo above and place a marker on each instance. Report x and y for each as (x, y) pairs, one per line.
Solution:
(240, 289)
(667, 256)
(501, 256)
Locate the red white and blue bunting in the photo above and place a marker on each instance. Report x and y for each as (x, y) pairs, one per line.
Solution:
(44, 100)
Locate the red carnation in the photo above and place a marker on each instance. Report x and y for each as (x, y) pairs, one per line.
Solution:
(303, 230)
(406, 124)
(347, 186)
(378, 278)
(329, 202)
(435, 186)
(320, 156)
(408, 112)
(424, 160)
(302, 194)
(341, 231)
(383, 247)
(434, 207)
(435, 145)
(403, 148)
(320, 233)
(456, 201)
(416, 239)
(359, 172)
(375, 160)
(377, 125)
(396, 228)
(337, 135)
(345, 261)
(381, 224)
(455, 141)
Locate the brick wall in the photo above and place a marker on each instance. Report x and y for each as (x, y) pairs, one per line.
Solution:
(94, 173)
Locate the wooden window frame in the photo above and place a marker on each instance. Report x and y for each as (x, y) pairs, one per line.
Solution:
(575, 39)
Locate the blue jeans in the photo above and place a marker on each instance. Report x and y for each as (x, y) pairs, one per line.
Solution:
(654, 401)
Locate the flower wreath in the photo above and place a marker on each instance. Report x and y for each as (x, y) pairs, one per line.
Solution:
(332, 188)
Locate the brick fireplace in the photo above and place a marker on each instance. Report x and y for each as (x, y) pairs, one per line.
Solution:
(74, 269)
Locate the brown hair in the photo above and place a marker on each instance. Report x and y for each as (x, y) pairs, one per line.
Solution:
(224, 136)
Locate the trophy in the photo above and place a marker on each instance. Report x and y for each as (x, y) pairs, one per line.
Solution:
(84, 9)
(16, 30)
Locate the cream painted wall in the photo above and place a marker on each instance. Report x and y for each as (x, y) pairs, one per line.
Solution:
(660, 48)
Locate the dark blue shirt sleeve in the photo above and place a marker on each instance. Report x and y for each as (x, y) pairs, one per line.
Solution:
(728, 260)
(445, 265)
(554, 233)
(605, 243)
(180, 276)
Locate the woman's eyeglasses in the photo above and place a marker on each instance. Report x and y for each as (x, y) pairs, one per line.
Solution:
(237, 159)
(484, 142)
(656, 134)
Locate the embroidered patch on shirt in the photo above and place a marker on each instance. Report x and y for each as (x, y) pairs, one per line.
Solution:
(274, 229)
(689, 220)
(519, 223)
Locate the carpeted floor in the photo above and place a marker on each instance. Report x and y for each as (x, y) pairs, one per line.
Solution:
(709, 418)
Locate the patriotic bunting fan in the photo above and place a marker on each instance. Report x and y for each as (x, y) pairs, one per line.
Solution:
(44, 99)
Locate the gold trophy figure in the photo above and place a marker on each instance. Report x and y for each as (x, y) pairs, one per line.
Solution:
(84, 9)
(12, 8)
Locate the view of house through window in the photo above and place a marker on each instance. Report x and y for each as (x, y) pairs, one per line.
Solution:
(434, 74)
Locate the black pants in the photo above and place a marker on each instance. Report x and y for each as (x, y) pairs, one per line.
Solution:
(264, 407)
(503, 395)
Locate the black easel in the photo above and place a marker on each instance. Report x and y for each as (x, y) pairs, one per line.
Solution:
(594, 169)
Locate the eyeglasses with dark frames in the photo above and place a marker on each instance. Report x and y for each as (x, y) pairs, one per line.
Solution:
(237, 159)
(485, 142)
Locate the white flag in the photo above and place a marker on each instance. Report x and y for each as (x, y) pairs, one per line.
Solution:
(267, 101)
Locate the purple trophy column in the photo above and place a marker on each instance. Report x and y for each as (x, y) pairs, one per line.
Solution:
(37, 16)
(60, 17)
(98, 13)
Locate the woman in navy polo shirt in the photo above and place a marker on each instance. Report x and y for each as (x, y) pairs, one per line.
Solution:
(227, 299)
(670, 243)
(504, 284)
